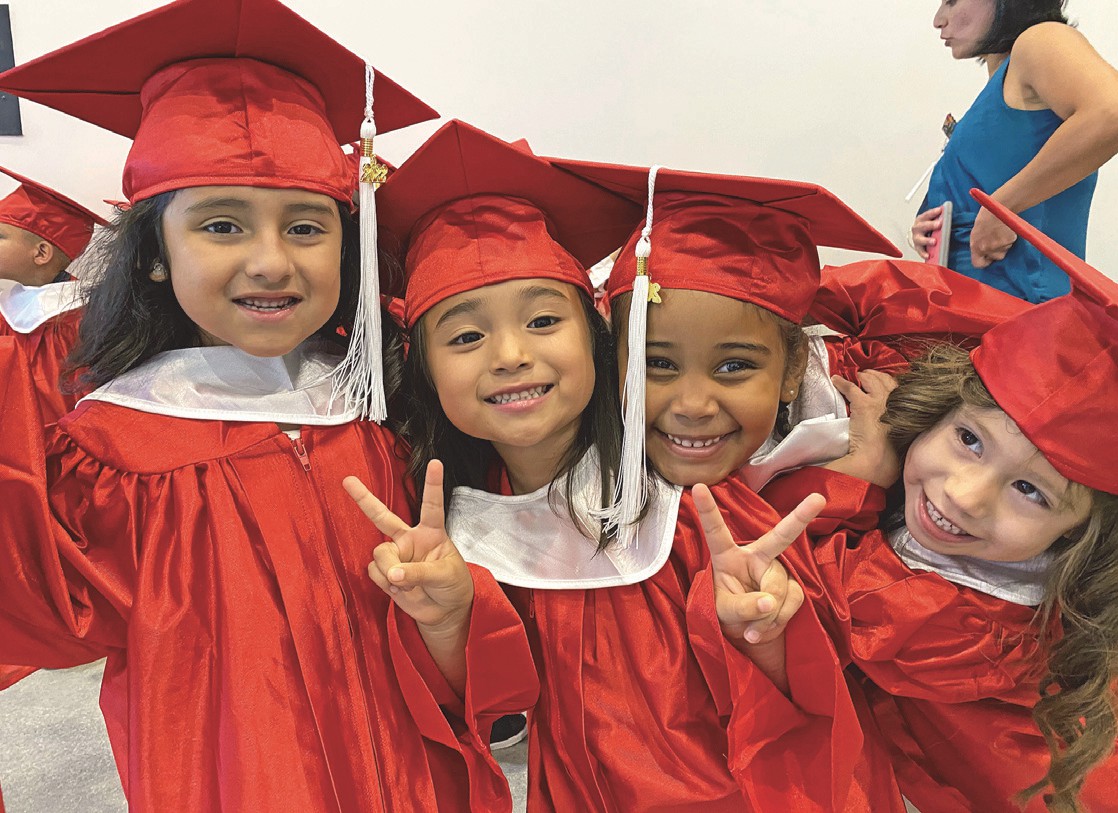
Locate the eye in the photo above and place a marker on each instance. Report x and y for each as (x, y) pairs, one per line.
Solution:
(658, 363)
(543, 321)
(735, 366)
(1030, 492)
(221, 227)
(306, 230)
(468, 337)
(969, 439)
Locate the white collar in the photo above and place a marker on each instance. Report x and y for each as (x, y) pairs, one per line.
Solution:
(529, 540)
(820, 427)
(1016, 582)
(227, 384)
(26, 308)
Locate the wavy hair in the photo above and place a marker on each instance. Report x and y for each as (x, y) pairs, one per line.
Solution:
(1013, 17)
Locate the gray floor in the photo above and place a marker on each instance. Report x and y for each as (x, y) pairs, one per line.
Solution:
(55, 756)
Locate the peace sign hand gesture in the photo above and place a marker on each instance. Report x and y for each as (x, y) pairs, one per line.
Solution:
(420, 568)
(753, 596)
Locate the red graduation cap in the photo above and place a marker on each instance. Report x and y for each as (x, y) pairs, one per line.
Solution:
(469, 210)
(1054, 368)
(752, 239)
(219, 92)
(49, 215)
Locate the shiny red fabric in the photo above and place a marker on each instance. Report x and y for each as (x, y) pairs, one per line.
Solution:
(46, 349)
(252, 664)
(950, 673)
(49, 215)
(722, 245)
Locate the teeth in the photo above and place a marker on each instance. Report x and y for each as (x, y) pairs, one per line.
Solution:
(523, 395)
(267, 304)
(694, 444)
(942, 522)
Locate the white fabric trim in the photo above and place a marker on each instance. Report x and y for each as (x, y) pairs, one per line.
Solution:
(27, 308)
(529, 540)
(1016, 582)
(820, 428)
(227, 384)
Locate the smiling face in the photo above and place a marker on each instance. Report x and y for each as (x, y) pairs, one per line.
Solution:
(975, 486)
(716, 376)
(259, 269)
(963, 25)
(512, 364)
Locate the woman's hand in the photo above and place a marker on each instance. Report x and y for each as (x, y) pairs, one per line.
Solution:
(926, 222)
(990, 239)
(871, 456)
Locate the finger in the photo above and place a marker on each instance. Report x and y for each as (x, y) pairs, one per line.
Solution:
(978, 260)
(386, 556)
(788, 529)
(440, 574)
(431, 512)
(847, 389)
(387, 523)
(746, 608)
(776, 622)
(717, 535)
(876, 382)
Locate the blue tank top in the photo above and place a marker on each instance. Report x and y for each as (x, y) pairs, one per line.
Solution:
(990, 145)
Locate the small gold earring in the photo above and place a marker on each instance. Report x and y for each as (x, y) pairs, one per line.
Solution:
(158, 272)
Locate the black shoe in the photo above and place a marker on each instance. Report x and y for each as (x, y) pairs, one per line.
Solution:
(508, 731)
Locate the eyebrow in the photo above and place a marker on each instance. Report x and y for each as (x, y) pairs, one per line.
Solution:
(541, 292)
(464, 307)
(748, 347)
(211, 204)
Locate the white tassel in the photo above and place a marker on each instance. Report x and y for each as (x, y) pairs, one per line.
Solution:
(360, 376)
(631, 488)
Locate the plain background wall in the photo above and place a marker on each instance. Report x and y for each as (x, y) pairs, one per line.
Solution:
(844, 94)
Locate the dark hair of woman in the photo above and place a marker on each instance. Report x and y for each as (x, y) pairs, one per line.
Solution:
(1076, 708)
(129, 318)
(1012, 17)
(469, 461)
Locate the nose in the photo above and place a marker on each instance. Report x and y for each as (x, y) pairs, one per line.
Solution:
(970, 490)
(510, 352)
(939, 21)
(269, 259)
(693, 401)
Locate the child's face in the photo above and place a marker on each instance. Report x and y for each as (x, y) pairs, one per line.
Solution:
(512, 364)
(258, 269)
(715, 379)
(17, 256)
(975, 486)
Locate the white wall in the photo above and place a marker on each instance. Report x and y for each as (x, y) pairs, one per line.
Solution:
(848, 95)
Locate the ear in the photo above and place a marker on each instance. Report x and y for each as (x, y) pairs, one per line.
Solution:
(44, 253)
(794, 369)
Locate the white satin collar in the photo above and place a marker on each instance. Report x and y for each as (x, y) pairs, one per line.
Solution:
(820, 427)
(1016, 582)
(227, 384)
(529, 540)
(26, 308)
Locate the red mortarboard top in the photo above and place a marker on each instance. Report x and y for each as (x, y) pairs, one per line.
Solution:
(219, 92)
(49, 215)
(469, 210)
(752, 239)
(1054, 368)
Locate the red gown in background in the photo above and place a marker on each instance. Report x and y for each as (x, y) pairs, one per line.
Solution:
(252, 664)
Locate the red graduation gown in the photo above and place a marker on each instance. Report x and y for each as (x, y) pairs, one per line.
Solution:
(950, 673)
(252, 664)
(46, 348)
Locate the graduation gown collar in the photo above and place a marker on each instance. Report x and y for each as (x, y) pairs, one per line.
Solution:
(1016, 582)
(529, 540)
(820, 427)
(227, 384)
(27, 308)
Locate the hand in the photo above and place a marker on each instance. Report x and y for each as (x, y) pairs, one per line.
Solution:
(420, 568)
(922, 228)
(990, 239)
(871, 457)
(753, 596)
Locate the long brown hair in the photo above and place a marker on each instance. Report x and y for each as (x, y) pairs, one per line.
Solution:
(1075, 710)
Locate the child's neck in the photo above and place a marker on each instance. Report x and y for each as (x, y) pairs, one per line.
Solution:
(530, 468)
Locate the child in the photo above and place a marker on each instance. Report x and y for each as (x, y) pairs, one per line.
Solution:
(41, 232)
(1008, 505)
(187, 520)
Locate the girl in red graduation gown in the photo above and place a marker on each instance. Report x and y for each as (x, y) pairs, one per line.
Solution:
(187, 520)
(982, 621)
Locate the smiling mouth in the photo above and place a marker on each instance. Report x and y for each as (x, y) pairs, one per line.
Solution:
(522, 395)
(267, 305)
(942, 522)
(695, 443)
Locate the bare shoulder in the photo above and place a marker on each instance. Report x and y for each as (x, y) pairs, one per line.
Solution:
(1054, 66)
(1045, 43)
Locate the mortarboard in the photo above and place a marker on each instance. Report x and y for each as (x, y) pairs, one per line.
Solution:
(48, 214)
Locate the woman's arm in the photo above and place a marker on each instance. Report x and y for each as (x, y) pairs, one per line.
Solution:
(1056, 67)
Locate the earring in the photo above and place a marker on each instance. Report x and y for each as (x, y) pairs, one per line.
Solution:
(792, 394)
(158, 272)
